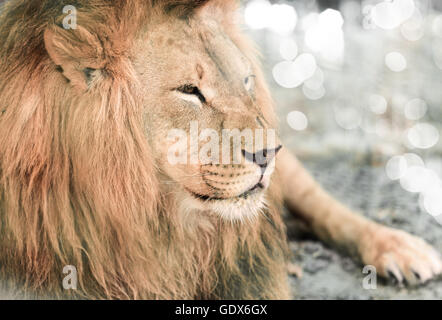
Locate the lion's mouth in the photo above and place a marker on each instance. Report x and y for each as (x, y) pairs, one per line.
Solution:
(254, 190)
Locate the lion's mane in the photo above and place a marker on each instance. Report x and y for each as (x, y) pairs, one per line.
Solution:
(78, 185)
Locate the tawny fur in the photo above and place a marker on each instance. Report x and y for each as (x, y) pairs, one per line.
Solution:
(79, 186)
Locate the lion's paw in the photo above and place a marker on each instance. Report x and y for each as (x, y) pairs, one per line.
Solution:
(400, 256)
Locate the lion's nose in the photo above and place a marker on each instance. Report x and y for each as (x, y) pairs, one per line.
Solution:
(261, 158)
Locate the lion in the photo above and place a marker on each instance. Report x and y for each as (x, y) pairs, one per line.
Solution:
(85, 115)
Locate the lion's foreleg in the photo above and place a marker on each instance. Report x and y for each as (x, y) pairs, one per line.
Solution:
(394, 253)
(330, 220)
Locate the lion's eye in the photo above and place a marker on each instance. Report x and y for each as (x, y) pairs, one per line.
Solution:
(249, 82)
(191, 90)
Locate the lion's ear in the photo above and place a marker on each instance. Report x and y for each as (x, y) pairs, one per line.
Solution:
(76, 52)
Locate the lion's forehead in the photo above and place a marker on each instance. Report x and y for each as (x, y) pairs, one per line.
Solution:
(230, 62)
(208, 44)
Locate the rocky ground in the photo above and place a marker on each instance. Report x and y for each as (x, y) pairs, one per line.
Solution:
(364, 187)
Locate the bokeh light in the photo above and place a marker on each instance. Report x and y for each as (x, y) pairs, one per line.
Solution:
(396, 167)
(297, 120)
(413, 160)
(377, 104)
(437, 26)
(413, 28)
(395, 61)
(437, 52)
(432, 201)
(290, 74)
(288, 49)
(418, 179)
(280, 18)
(316, 82)
(423, 136)
(348, 118)
(390, 14)
(256, 13)
(324, 35)
(415, 109)
(313, 93)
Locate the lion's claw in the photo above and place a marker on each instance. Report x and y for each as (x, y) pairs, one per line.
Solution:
(400, 256)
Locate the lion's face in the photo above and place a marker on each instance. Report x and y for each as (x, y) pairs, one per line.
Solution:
(197, 85)
(205, 109)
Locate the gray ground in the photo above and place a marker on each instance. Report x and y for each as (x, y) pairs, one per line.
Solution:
(364, 187)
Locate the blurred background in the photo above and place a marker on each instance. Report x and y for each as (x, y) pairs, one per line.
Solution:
(358, 88)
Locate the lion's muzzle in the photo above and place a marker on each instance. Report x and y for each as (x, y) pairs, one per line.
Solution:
(239, 180)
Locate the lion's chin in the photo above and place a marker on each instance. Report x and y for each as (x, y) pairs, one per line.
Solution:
(233, 209)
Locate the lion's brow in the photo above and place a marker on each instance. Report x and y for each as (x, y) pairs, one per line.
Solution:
(224, 66)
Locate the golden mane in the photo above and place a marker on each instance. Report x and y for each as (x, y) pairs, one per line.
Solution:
(78, 185)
